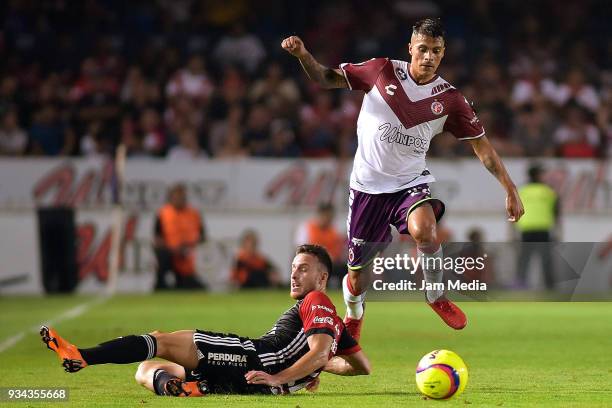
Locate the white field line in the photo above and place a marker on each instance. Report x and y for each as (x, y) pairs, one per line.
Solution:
(71, 313)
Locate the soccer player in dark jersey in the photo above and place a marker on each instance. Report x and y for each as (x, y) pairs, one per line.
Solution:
(306, 339)
(405, 105)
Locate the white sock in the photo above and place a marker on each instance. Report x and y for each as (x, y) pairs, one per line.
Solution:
(432, 273)
(354, 304)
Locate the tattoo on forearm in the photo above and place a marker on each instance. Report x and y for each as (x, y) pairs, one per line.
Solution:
(324, 76)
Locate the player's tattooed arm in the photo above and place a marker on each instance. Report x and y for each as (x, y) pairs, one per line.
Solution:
(326, 77)
(489, 157)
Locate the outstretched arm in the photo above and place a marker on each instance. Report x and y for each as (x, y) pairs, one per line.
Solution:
(352, 364)
(315, 358)
(327, 78)
(488, 156)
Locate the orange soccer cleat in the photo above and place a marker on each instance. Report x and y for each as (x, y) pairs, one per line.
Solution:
(179, 388)
(449, 312)
(68, 353)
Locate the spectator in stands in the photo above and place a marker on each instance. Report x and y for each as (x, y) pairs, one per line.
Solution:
(49, 135)
(252, 269)
(220, 129)
(233, 146)
(50, 62)
(320, 230)
(153, 137)
(282, 140)
(93, 144)
(576, 137)
(257, 130)
(240, 48)
(13, 139)
(178, 230)
(280, 94)
(188, 147)
(130, 138)
(319, 126)
(192, 82)
(576, 90)
(532, 131)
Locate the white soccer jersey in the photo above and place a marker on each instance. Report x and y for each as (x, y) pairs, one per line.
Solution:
(397, 121)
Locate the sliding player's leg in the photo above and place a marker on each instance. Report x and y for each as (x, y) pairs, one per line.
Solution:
(177, 347)
(122, 350)
(166, 378)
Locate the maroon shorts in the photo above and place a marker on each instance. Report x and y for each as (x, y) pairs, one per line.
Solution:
(371, 216)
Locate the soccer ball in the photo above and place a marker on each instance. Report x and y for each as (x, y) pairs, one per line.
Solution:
(441, 374)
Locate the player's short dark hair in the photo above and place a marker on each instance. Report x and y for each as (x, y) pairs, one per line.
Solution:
(431, 27)
(319, 252)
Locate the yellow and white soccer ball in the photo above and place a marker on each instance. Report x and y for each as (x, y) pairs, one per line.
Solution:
(441, 374)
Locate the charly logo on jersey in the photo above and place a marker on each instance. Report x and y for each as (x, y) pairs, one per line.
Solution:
(236, 360)
(437, 108)
(390, 89)
(401, 74)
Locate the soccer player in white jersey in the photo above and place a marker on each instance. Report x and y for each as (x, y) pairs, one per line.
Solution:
(406, 104)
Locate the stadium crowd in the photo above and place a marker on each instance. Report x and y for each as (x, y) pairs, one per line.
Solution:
(184, 79)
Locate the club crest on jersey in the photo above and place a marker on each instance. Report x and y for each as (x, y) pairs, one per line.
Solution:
(437, 108)
(401, 73)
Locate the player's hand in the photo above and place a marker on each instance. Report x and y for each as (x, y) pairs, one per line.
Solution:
(294, 46)
(514, 206)
(313, 385)
(261, 377)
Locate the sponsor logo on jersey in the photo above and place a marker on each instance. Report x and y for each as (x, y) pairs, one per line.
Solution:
(351, 255)
(323, 320)
(237, 360)
(327, 309)
(392, 134)
(437, 108)
(401, 74)
(439, 88)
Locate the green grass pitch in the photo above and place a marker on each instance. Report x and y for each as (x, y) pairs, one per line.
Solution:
(518, 354)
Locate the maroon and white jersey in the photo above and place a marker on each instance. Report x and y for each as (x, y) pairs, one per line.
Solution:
(397, 122)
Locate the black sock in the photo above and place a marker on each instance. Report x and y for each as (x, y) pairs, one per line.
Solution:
(160, 379)
(123, 350)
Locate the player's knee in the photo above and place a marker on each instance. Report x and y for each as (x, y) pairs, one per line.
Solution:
(143, 371)
(424, 234)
